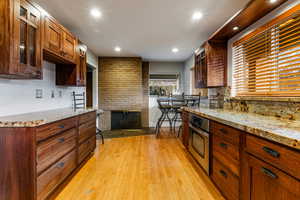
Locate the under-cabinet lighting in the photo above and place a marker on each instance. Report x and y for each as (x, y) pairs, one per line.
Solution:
(273, 1)
(235, 28)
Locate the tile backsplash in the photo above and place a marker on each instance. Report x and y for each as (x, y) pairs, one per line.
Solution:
(276, 108)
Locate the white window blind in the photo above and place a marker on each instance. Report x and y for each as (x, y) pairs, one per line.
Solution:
(267, 62)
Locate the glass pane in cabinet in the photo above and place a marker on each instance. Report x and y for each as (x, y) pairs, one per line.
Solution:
(23, 12)
(32, 45)
(23, 57)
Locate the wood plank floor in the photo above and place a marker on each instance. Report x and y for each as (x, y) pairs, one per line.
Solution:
(140, 168)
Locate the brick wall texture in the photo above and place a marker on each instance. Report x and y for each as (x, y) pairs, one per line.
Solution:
(121, 86)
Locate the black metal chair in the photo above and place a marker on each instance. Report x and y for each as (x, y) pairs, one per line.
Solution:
(176, 105)
(165, 107)
(99, 132)
(79, 100)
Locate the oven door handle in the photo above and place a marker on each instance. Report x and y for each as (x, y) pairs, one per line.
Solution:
(199, 131)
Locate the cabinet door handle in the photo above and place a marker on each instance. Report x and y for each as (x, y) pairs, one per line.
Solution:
(61, 126)
(222, 130)
(271, 152)
(61, 140)
(60, 165)
(223, 173)
(269, 173)
(223, 145)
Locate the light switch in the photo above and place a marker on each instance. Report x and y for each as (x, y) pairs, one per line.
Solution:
(38, 93)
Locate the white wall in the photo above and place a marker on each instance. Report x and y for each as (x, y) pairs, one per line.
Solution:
(18, 96)
(286, 6)
(168, 68)
(188, 64)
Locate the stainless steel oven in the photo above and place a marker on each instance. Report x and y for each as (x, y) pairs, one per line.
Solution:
(199, 140)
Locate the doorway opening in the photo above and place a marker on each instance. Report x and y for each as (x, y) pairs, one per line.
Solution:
(89, 85)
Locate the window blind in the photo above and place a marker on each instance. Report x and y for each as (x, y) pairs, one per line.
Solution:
(267, 62)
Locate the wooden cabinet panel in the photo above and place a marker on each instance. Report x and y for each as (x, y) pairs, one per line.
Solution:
(53, 36)
(52, 177)
(20, 40)
(216, 58)
(53, 149)
(86, 131)
(86, 148)
(264, 182)
(46, 131)
(87, 117)
(226, 181)
(227, 153)
(185, 129)
(69, 46)
(230, 134)
(281, 157)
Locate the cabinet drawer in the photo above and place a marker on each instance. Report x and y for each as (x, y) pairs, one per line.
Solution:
(49, 130)
(266, 182)
(286, 159)
(87, 117)
(51, 150)
(86, 148)
(87, 130)
(227, 182)
(230, 134)
(52, 177)
(227, 153)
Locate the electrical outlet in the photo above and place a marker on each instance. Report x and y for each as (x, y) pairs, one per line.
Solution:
(52, 94)
(38, 93)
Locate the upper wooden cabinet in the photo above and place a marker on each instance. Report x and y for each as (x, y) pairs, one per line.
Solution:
(58, 42)
(211, 65)
(73, 74)
(20, 40)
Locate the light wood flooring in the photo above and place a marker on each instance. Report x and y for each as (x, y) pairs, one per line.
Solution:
(140, 168)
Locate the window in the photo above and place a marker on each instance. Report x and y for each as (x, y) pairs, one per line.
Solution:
(267, 61)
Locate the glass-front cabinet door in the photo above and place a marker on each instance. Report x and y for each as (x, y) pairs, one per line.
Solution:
(28, 51)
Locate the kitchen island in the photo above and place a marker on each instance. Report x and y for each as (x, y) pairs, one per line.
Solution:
(40, 150)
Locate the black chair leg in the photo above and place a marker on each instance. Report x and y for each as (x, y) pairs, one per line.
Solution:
(99, 132)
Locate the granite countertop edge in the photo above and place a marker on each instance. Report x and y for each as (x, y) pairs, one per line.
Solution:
(36, 119)
(266, 134)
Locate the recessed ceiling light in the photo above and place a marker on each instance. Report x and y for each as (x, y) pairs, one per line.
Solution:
(117, 49)
(197, 15)
(96, 13)
(175, 50)
(273, 1)
(235, 28)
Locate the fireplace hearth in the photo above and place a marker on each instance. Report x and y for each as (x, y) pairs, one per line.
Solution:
(122, 119)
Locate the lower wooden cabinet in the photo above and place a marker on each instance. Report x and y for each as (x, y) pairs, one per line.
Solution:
(36, 161)
(55, 175)
(262, 181)
(225, 180)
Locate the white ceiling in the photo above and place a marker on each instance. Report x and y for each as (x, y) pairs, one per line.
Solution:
(146, 28)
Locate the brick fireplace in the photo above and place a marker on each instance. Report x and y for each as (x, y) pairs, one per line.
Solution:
(123, 86)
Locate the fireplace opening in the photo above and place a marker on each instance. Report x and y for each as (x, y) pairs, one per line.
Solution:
(121, 119)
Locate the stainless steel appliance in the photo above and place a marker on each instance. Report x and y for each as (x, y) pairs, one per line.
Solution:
(199, 140)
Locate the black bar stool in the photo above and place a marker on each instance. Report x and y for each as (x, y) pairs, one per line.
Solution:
(165, 107)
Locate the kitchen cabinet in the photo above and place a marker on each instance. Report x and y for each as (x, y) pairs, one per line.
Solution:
(20, 40)
(226, 159)
(263, 182)
(47, 153)
(59, 43)
(73, 74)
(211, 65)
(185, 129)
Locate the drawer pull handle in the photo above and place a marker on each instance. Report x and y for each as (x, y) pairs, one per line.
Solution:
(271, 152)
(61, 140)
(223, 173)
(61, 165)
(223, 145)
(62, 126)
(222, 130)
(269, 173)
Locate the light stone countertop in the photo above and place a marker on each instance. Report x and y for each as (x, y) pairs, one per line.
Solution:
(285, 132)
(35, 119)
